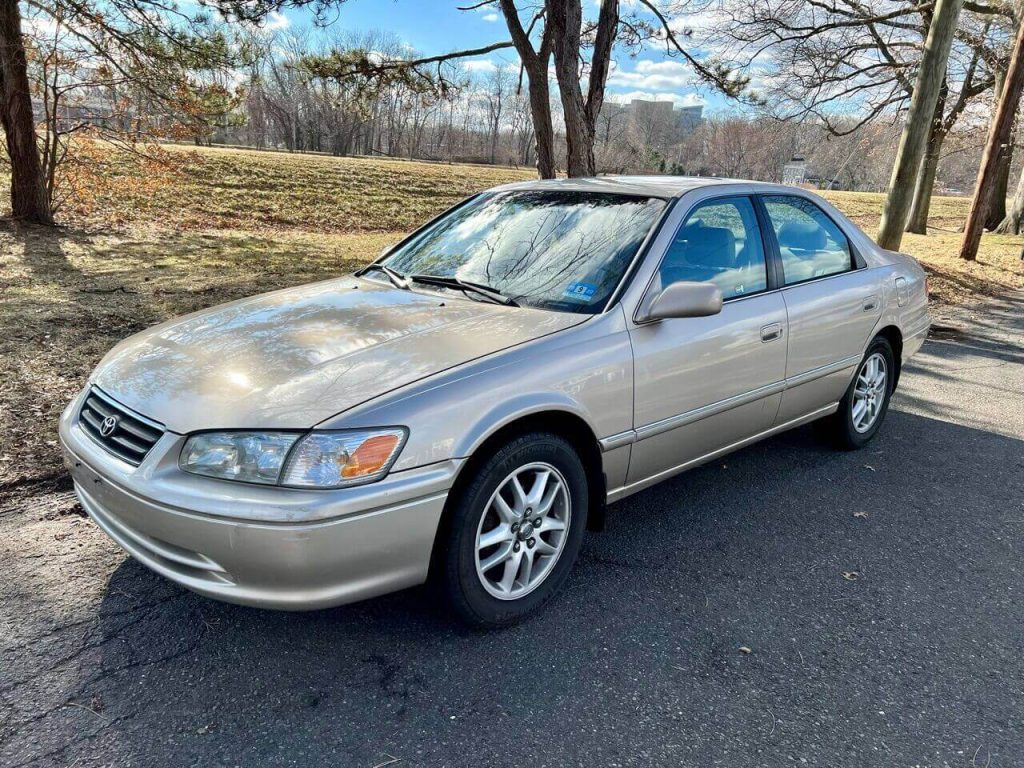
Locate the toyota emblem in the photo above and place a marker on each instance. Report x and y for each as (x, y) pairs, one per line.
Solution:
(108, 426)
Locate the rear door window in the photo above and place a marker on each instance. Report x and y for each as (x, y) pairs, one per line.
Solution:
(811, 245)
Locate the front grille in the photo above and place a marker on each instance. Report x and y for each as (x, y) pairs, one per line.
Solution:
(131, 436)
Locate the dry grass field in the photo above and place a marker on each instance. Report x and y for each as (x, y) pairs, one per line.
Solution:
(217, 224)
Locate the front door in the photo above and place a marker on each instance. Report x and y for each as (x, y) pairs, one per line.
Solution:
(703, 384)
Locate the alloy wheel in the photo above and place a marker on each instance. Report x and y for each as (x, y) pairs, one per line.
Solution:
(869, 392)
(523, 531)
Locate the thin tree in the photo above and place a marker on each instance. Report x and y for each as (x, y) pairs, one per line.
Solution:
(29, 198)
(930, 76)
(998, 135)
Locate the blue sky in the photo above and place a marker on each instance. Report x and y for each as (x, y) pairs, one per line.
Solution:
(437, 26)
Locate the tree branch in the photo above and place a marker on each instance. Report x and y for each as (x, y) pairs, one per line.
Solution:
(717, 76)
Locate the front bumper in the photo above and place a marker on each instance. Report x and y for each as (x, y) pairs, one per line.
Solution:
(262, 546)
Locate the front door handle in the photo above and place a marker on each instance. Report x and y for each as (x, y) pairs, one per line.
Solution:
(771, 332)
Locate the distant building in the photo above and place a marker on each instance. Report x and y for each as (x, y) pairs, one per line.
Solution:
(644, 112)
(794, 173)
(797, 173)
(690, 118)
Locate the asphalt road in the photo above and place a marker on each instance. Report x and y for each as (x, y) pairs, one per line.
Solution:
(879, 594)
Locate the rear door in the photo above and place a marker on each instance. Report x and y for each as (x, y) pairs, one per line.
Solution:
(832, 302)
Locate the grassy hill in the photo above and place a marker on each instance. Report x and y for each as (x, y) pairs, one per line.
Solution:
(146, 240)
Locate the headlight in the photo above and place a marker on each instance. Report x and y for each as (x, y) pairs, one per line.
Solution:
(314, 460)
(252, 457)
(333, 459)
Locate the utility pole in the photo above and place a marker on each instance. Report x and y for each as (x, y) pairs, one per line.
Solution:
(998, 135)
(918, 123)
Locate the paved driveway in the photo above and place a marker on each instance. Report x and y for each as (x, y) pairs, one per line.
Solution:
(879, 595)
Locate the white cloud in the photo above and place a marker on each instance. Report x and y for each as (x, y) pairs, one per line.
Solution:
(651, 75)
(480, 65)
(275, 20)
(40, 27)
(491, 17)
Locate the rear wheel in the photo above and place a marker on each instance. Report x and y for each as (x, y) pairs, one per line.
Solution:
(516, 531)
(866, 401)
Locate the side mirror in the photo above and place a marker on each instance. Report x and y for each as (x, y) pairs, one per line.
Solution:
(685, 299)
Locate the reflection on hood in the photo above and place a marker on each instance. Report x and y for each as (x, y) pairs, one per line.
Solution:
(292, 358)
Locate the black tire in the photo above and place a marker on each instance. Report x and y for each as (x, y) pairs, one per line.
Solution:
(457, 570)
(839, 428)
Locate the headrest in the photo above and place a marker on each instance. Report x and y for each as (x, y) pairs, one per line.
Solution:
(801, 236)
(711, 247)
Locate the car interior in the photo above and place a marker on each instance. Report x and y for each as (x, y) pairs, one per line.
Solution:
(722, 254)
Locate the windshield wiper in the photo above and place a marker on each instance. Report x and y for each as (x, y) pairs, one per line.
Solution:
(493, 294)
(397, 278)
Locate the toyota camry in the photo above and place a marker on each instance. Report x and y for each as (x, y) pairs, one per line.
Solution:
(465, 407)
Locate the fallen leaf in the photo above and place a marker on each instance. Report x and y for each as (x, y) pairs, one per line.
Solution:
(860, 514)
(868, 466)
(744, 649)
(851, 575)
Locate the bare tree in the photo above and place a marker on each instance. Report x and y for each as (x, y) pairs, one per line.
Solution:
(930, 76)
(581, 50)
(998, 136)
(850, 63)
(157, 53)
(495, 96)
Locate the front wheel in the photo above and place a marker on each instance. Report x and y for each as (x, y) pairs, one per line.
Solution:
(866, 401)
(516, 530)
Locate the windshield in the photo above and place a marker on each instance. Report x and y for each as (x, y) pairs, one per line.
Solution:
(565, 251)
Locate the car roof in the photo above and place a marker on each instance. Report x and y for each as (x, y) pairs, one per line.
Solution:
(652, 186)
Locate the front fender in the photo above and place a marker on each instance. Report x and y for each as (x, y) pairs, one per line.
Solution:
(506, 412)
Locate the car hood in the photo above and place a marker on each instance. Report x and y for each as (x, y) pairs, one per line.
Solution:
(292, 358)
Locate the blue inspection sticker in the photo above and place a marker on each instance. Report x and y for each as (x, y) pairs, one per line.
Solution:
(580, 291)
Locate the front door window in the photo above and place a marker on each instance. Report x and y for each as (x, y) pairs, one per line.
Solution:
(719, 243)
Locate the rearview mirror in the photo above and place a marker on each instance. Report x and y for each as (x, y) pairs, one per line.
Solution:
(685, 299)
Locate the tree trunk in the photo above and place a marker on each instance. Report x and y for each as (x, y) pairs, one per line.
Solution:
(918, 122)
(535, 63)
(579, 132)
(918, 222)
(1010, 225)
(998, 137)
(540, 111)
(29, 200)
(997, 194)
(566, 17)
(1001, 187)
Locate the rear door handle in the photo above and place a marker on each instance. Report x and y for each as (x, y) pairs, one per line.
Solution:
(870, 303)
(771, 332)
